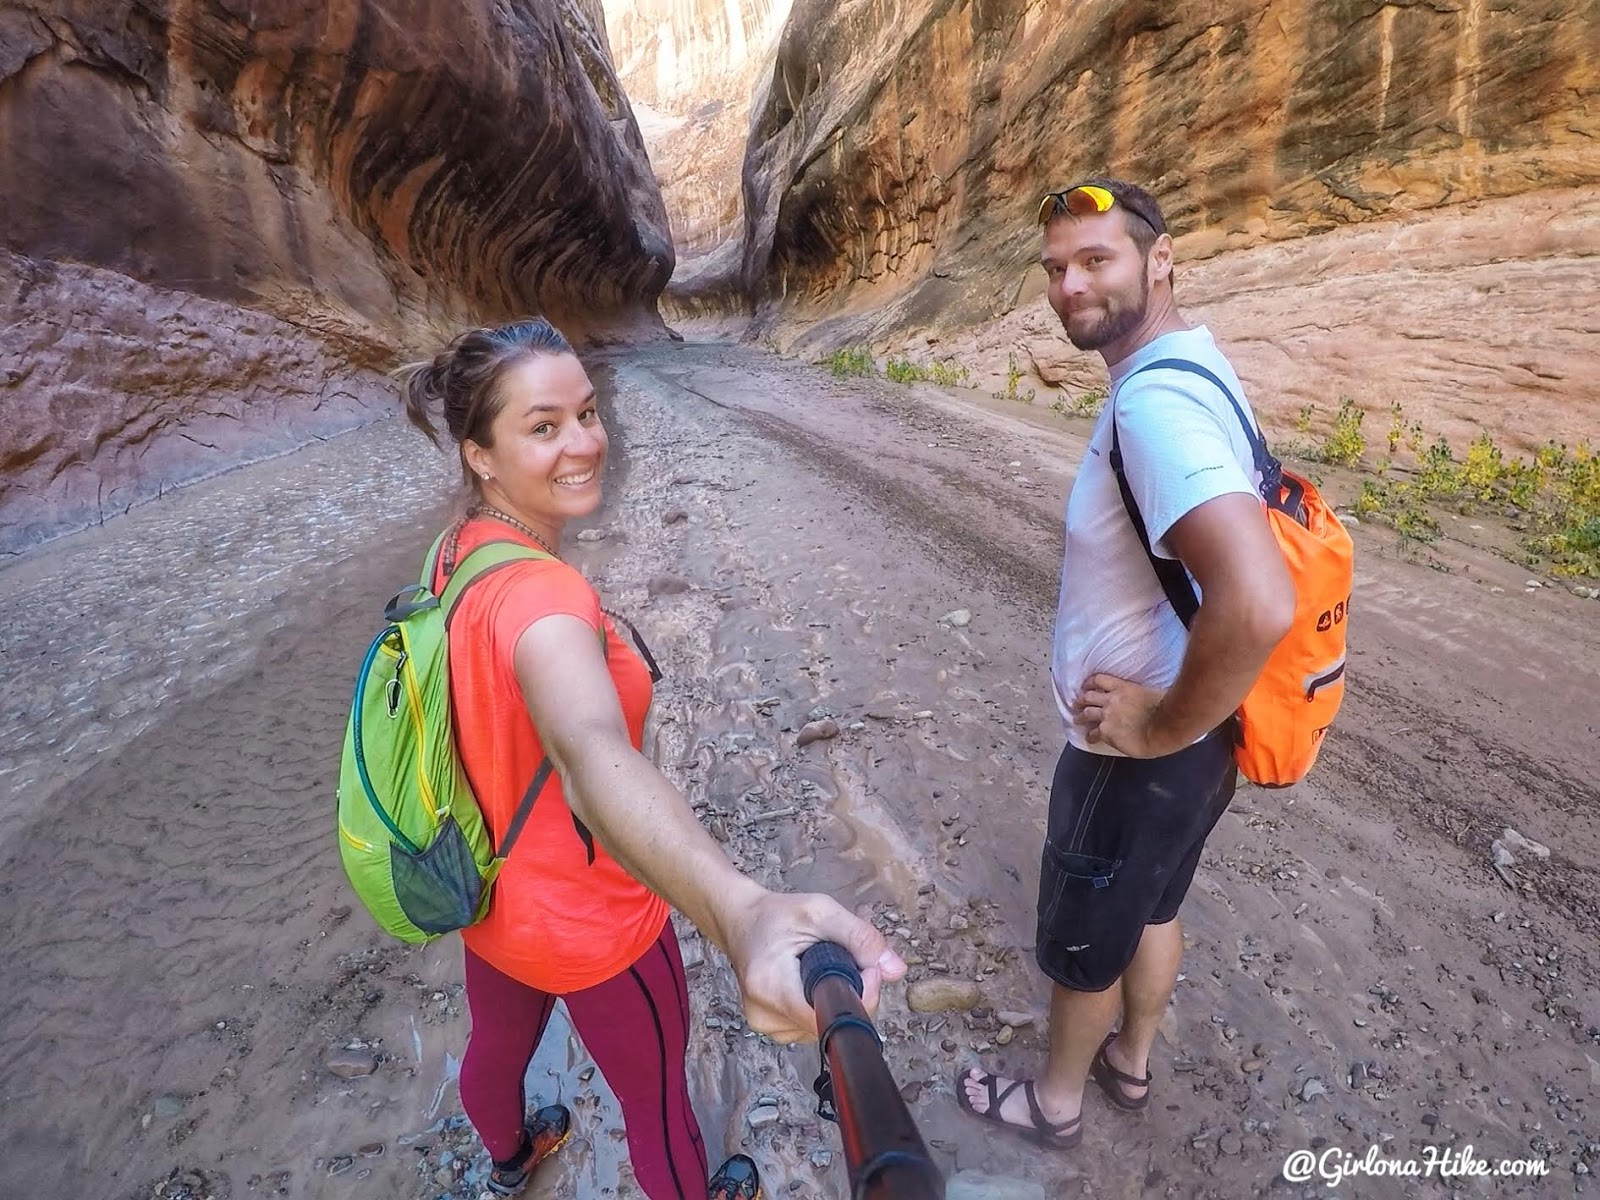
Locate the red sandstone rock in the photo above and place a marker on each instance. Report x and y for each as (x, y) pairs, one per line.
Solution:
(233, 209)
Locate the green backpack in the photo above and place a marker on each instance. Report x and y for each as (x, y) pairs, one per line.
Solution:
(411, 836)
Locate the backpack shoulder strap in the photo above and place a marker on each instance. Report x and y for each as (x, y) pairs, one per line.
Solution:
(1269, 467)
(525, 807)
(430, 563)
(1172, 575)
(485, 559)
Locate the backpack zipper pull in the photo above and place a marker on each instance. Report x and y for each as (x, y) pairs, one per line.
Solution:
(392, 691)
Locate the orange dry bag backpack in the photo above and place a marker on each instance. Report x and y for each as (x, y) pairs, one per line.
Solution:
(1283, 719)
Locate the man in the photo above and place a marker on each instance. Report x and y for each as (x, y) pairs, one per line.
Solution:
(1148, 769)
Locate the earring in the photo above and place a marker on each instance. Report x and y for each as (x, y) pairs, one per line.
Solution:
(486, 474)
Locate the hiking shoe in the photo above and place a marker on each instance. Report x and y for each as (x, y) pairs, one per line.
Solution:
(736, 1179)
(541, 1137)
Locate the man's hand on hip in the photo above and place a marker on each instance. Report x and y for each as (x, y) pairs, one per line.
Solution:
(1125, 716)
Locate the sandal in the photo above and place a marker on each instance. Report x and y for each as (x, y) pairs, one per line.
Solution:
(549, 1130)
(1113, 1081)
(736, 1179)
(1062, 1136)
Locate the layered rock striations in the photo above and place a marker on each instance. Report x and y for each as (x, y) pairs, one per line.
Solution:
(222, 220)
(898, 150)
(691, 69)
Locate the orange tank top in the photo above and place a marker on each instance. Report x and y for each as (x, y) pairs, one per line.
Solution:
(558, 922)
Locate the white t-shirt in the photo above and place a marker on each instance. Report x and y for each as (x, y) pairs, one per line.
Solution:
(1182, 444)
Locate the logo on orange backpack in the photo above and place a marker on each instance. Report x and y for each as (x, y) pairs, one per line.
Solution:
(1336, 617)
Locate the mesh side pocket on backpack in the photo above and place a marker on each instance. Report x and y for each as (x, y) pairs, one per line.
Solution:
(439, 889)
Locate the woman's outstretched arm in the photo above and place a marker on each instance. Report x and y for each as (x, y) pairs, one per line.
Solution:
(646, 825)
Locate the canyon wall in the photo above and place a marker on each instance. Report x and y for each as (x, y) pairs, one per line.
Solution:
(224, 220)
(1385, 200)
(691, 69)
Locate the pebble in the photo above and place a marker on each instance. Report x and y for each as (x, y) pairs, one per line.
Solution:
(925, 714)
(340, 1165)
(911, 1092)
(673, 515)
(666, 585)
(761, 1118)
(942, 995)
(694, 953)
(1251, 1065)
(1311, 1089)
(817, 731)
(592, 535)
(1230, 1143)
(350, 1064)
(1518, 841)
(958, 619)
(371, 1150)
(167, 1106)
(822, 1159)
(1003, 1038)
(1017, 1020)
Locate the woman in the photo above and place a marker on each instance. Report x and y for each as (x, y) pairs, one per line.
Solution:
(580, 908)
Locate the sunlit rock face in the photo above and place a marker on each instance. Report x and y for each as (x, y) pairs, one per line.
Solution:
(222, 219)
(691, 69)
(1381, 200)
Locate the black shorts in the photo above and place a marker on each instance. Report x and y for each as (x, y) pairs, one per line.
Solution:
(1124, 839)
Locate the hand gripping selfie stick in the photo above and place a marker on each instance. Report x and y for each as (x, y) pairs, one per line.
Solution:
(882, 1148)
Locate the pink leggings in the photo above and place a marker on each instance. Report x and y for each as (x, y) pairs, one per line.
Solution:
(636, 1027)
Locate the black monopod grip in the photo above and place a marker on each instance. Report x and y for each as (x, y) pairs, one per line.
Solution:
(883, 1150)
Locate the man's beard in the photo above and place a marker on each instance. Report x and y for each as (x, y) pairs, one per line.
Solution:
(1119, 321)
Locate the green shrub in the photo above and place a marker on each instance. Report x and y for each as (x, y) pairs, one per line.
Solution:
(850, 360)
(1014, 375)
(1553, 497)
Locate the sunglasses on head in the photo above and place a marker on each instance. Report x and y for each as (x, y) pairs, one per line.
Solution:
(1083, 200)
